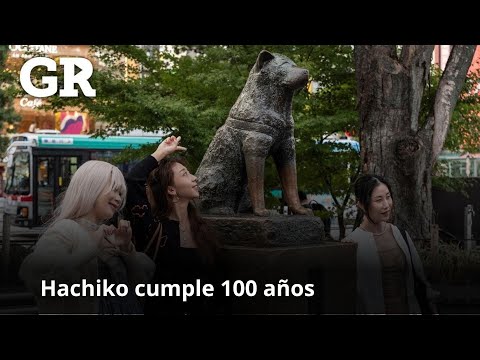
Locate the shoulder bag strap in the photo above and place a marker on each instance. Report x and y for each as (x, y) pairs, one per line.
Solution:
(404, 235)
(157, 235)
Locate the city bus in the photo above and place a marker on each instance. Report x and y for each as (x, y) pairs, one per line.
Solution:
(39, 170)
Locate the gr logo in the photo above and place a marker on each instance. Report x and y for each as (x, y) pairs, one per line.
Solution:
(70, 78)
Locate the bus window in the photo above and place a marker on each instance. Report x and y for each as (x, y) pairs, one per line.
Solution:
(18, 175)
(45, 171)
(46, 182)
(68, 166)
(102, 155)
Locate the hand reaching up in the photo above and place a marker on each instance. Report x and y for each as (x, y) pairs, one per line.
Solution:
(167, 147)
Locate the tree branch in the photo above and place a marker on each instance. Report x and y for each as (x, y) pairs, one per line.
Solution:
(449, 88)
(416, 60)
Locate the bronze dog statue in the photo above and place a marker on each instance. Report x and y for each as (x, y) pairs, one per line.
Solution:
(231, 174)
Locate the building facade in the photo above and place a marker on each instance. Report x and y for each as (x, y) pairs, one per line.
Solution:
(67, 120)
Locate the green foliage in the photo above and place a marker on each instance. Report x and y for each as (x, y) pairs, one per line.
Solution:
(7, 91)
(429, 94)
(3, 144)
(460, 185)
(465, 123)
(191, 96)
(129, 153)
(451, 264)
(317, 115)
(334, 171)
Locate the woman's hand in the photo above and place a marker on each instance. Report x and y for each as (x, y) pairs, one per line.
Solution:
(105, 241)
(123, 237)
(167, 147)
(100, 234)
(115, 241)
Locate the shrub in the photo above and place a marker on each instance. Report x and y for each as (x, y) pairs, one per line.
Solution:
(452, 263)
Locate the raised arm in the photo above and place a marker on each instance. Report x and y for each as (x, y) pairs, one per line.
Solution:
(137, 207)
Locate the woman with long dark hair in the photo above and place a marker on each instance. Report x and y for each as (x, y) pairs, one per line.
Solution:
(168, 228)
(388, 264)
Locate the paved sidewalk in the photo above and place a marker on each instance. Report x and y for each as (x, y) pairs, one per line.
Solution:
(20, 231)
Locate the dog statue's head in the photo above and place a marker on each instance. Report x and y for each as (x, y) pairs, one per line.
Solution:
(278, 69)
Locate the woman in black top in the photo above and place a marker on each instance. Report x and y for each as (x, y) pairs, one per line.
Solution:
(167, 227)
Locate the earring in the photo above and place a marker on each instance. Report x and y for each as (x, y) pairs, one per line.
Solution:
(176, 198)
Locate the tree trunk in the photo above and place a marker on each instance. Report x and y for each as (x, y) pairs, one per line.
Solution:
(341, 225)
(393, 144)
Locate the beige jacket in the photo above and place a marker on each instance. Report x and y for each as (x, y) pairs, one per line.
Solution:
(67, 254)
(369, 272)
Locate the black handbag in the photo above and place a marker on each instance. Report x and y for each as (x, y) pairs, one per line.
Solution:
(426, 306)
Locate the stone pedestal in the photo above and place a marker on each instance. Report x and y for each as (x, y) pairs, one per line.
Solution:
(273, 231)
(267, 250)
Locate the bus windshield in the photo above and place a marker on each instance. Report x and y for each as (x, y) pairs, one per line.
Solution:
(18, 175)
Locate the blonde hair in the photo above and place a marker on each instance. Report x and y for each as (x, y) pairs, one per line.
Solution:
(92, 179)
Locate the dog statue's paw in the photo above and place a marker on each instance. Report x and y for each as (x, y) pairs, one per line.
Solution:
(261, 212)
(301, 211)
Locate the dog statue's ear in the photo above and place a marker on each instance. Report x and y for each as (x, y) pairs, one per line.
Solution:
(262, 59)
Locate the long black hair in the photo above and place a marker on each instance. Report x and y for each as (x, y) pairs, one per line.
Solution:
(158, 181)
(364, 187)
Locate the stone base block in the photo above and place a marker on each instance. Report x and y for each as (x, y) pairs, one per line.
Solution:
(273, 231)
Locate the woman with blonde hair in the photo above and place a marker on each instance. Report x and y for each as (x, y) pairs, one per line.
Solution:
(78, 246)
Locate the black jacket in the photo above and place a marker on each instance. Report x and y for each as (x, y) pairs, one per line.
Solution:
(137, 208)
